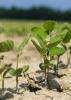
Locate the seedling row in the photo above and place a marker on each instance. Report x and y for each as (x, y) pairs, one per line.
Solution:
(50, 42)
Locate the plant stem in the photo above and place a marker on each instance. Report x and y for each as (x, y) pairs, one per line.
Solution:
(45, 78)
(45, 72)
(2, 87)
(17, 74)
(57, 67)
(68, 58)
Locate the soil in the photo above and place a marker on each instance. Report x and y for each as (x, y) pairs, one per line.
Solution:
(32, 58)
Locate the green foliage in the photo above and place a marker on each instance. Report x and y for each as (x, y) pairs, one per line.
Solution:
(39, 31)
(56, 51)
(68, 35)
(18, 71)
(6, 46)
(48, 45)
(49, 26)
(12, 72)
(22, 45)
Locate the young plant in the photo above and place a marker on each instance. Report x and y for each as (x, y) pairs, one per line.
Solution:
(5, 46)
(56, 40)
(66, 41)
(18, 50)
(46, 49)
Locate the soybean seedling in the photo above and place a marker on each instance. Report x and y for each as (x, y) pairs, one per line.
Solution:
(66, 41)
(5, 46)
(18, 50)
(46, 50)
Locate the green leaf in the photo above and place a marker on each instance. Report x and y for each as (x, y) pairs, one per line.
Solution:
(6, 46)
(56, 39)
(12, 72)
(22, 45)
(68, 35)
(25, 68)
(39, 49)
(19, 71)
(62, 34)
(54, 42)
(56, 51)
(67, 38)
(42, 67)
(15, 72)
(39, 31)
(49, 26)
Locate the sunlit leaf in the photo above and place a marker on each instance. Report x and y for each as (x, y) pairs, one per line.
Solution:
(39, 31)
(40, 50)
(56, 51)
(56, 39)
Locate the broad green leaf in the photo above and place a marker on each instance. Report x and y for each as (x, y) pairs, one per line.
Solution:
(54, 42)
(56, 51)
(41, 43)
(15, 72)
(25, 68)
(62, 34)
(39, 49)
(56, 39)
(68, 35)
(12, 72)
(67, 38)
(19, 71)
(39, 31)
(6, 46)
(49, 26)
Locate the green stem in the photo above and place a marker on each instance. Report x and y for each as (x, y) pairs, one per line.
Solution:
(68, 58)
(17, 74)
(57, 67)
(2, 87)
(45, 72)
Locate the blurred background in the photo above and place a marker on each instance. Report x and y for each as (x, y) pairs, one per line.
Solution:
(17, 17)
(36, 9)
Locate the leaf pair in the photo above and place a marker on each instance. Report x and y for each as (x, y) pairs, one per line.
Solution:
(18, 72)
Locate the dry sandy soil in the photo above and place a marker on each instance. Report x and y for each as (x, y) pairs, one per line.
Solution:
(31, 57)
